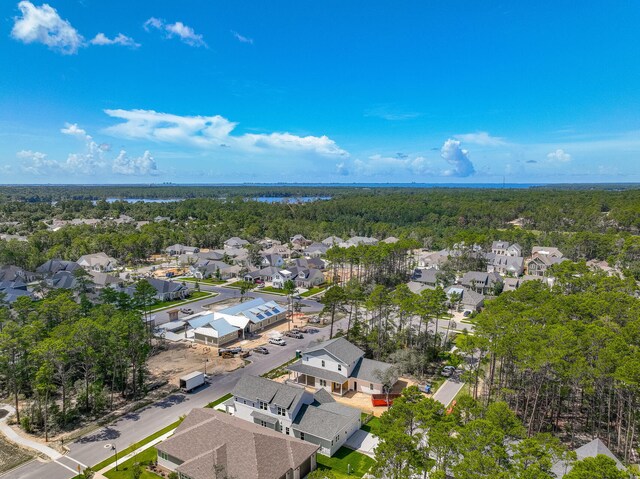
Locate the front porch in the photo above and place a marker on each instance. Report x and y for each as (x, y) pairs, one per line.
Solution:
(336, 388)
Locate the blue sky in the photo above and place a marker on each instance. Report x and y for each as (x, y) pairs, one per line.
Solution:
(325, 91)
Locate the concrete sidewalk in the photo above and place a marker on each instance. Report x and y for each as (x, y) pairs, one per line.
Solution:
(24, 441)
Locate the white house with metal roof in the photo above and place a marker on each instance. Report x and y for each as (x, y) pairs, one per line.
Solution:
(337, 366)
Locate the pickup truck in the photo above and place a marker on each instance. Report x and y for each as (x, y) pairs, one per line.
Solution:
(294, 334)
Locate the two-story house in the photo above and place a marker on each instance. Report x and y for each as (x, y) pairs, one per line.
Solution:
(294, 411)
(338, 366)
(542, 258)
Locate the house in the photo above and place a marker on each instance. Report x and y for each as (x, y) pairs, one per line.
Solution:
(505, 264)
(165, 290)
(14, 273)
(235, 243)
(390, 240)
(252, 316)
(332, 241)
(428, 277)
(316, 263)
(178, 249)
(268, 243)
(62, 280)
(338, 366)
(278, 249)
(295, 412)
(504, 248)
(102, 280)
(194, 258)
(542, 258)
(466, 298)
(432, 259)
(299, 241)
(214, 269)
(97, 262)
(418, 288)
(49, 268)
(272, 260)
(208, 442)
(591, 449)
(480, 282)
(315, 250)
(309, 277)
(12, 290)
(358, 240)
(264, 274)
(283, 276)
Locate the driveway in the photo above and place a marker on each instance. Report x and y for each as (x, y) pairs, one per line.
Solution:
(137, 425)
(362, 441)
(449, 389)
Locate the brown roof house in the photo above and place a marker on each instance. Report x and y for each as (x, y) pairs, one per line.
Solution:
(211, 444)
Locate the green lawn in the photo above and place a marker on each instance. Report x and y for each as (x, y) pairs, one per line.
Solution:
(279, 371)
(220, 400)
(338, 464)
(271, 289)
(195, 296)
(125, 470)
(373, 426)
(313, 291)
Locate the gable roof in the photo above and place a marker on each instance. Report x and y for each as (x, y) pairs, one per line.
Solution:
(370, 370)
(54, 265)
(262, 389)
(247, 451)
(339, 348)
(256, 310)
(326, 420)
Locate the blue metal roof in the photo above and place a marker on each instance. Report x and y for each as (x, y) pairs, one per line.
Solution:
(256, 310)
(223, 327)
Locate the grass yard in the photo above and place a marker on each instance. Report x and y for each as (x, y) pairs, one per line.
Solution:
(11, 455)
(339, 463)
(125, 470)
(213, 282)
(195, 296)
(271, 289)
(220, 400)
(279, 371)
(373, 426)
(313, 291)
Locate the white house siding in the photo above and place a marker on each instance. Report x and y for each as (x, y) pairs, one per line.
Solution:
(211, 341)
(362, 386)
(315, 359)
(170, 463)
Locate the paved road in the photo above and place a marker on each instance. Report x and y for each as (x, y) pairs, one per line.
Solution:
(224, 293)
(448, 391)
(140, 424)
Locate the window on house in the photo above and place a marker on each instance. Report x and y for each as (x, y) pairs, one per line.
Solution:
(323, 383)
(281, 411)
(286, 431)
(263, 423)
(371, 386)
(339, 367)
(302, 436)
(323, 363)
(263, 405)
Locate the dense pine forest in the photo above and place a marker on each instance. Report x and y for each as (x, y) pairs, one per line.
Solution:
(584, 223)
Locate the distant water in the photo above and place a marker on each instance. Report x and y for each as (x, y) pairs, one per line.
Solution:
(141, 200)
(290, 199)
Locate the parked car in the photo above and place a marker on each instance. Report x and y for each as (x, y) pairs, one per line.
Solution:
(294, 334)
(235, 350)
(278, 341)
(447, 371)
(186, 311)
(261, 350)
(314, 320)
(260, 286)
(466, 313)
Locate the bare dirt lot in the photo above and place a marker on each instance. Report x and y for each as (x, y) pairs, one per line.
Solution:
(179, 359)
(11, 455)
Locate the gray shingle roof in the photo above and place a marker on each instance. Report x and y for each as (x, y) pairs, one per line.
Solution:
(341, 349)
(247, 451)
(370, 370)
(256, 388)
(325, 421)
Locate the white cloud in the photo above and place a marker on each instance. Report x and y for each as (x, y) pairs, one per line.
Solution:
(90, 162)
(242, 38)
(143, 165)
(183, 32)
(342, 169)
(212, 131)
(481, 138)
(119, 39)
(458, 158)
(559, 156)
(44, 25)
(390, 165)
(74, 130)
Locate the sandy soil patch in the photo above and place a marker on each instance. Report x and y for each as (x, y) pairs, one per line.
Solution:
(181, 358)
(11, 455)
